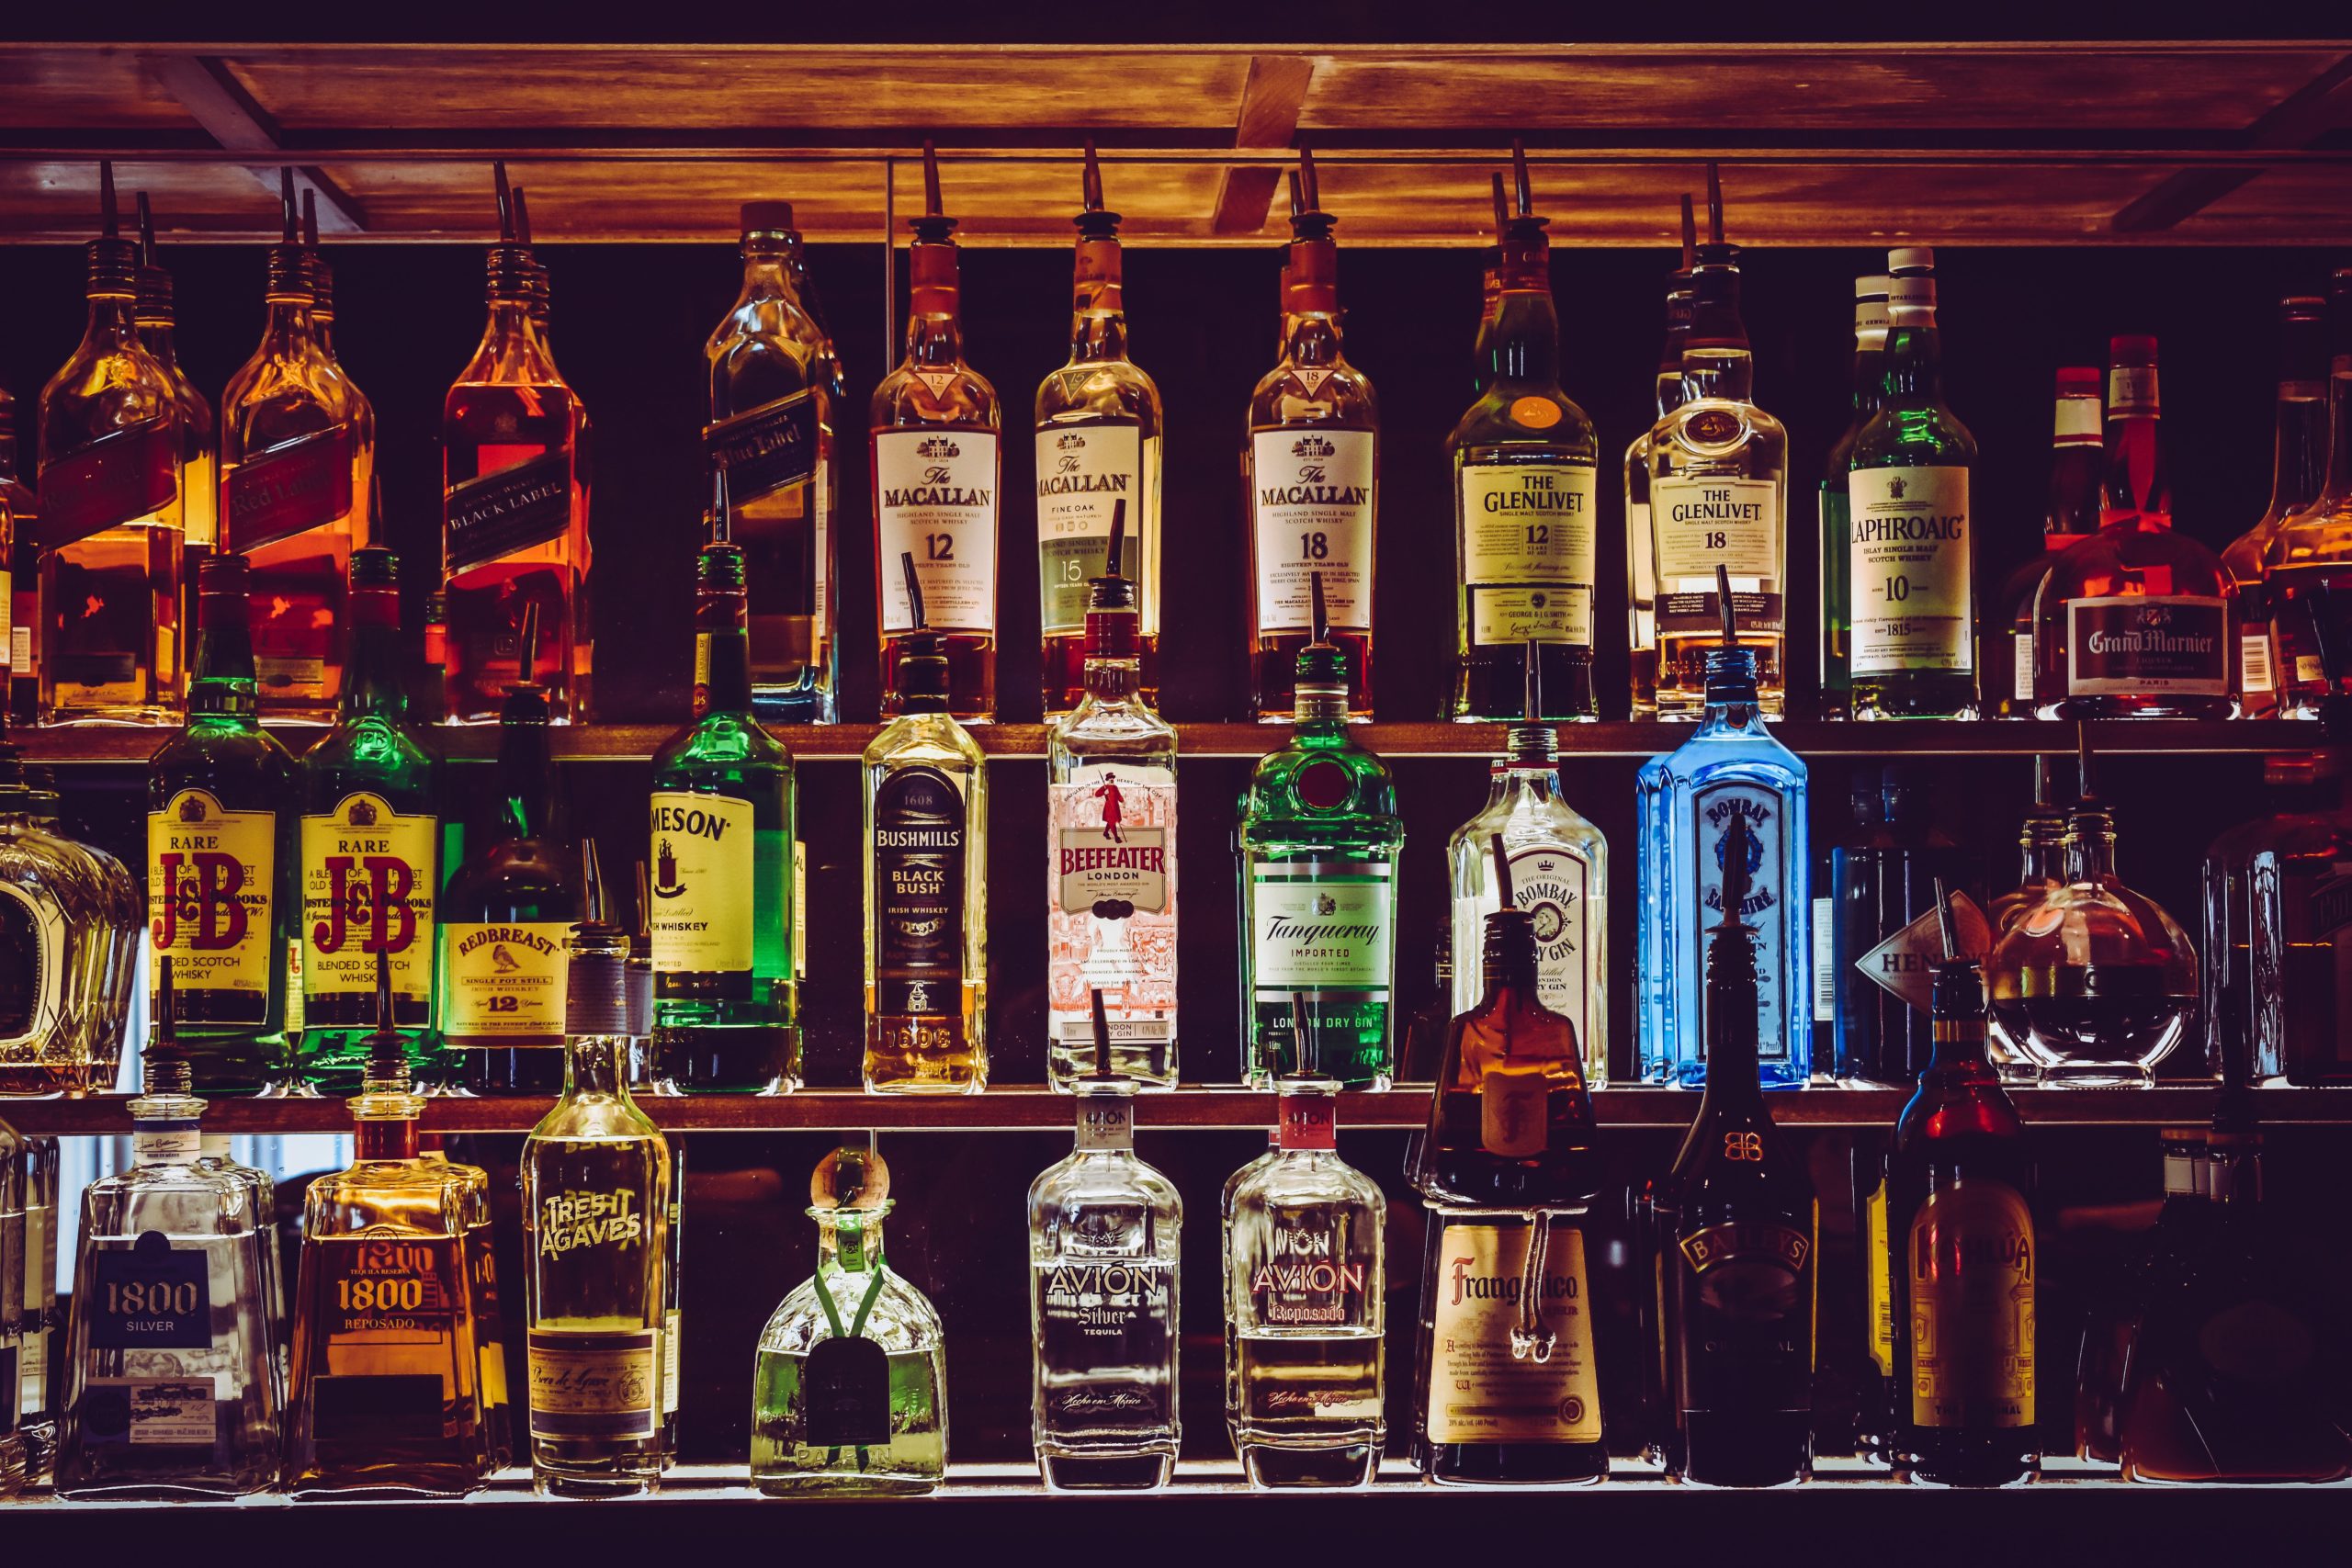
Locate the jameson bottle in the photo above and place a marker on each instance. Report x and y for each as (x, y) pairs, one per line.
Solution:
(370, 853)
(1836, 588)
(221, 832)
(726, 1002)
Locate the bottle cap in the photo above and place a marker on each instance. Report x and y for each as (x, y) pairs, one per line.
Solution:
(767, 217)
(1871, 288)
(2079, 381)
(1910, 258)
(2133, 349)
(595, 995)
(851, 1180)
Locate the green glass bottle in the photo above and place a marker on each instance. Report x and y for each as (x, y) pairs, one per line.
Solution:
(221, 857)
(1319, 839)
(725, 1002)
(370, 854)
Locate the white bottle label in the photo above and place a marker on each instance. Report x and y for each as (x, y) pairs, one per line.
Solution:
(1111, 902)
(1714, 520)
(1084, 472)
(2255, 669)
(1908, 560)
(173, 1146)
(705, 874)
(1553, 882)
(1311, 505)
(2021, 666)
(1712, 810)
(1526, 552)
(1321, 926)
(1480, 1392)
(1825, 967)
(937, 501)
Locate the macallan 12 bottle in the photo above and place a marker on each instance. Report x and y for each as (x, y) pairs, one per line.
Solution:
(935, 428)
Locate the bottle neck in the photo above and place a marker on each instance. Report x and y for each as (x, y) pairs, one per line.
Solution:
(113, 321)
(372, 686)
(1098, 326)
(1536, 778)
(1726, 373)
(1870, 372)
(1524, 346)
(523, 775)
(2094, 846)
(2044, 853)
(1913, 374)
(2300, 451)
(155, 332)
(934, 320)
(1956, 1024)
(1319, 707)
(1311, 337)
(722, 656)
(290, 328)
(851, 1245)
(592, 1064)
(386, 1137)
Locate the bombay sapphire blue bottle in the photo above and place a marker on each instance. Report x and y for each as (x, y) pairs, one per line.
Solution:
(1729, 768)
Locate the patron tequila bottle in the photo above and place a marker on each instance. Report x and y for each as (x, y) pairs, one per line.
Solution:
(935, 426)
(2069, 515)
(199, 530)
(2310, 562)
(1640, 550)
(1098, 446)
(775, 417)
(2298, 475)
(1111, 862)
(1311, 478)
(726, 1002)
(1837, 513)
(221, 858)
(848, 1391)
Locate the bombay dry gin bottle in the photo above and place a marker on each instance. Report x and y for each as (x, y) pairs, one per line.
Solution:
(200, 444)
(1098, 446)
(1307, 1301)
(1311, 476)
(293, 479)
(371, 852)
(848, 1391)
(936, 427)
(221, 857)
(725, 1000)
(1319, 841)
(596, 1189)
(774, 416)
(171, 1379)
(1525, 472)
(1111, 853)
(926, 882)
(1103, 1233)
(112, 510)
(514, 505)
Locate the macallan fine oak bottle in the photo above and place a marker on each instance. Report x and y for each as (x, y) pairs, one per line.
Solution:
(936, 427)
(1098, 445)
(1311, 476)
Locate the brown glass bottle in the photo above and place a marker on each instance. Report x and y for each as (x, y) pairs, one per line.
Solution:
(2005, 662)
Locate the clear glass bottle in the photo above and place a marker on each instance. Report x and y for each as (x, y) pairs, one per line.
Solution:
(15, 1458)
(2277, 927)
(2297, 474)
(200, 499)
(848, 1391)
(596, 1189)
(2069, 515)
(1103, 1244)
(1641, 556)
(481, 1278)
(2309, 561)
(43, 1321)
(1098, 445)
(1306, 1297)
(71, 930)
(927, 880)
(1837, 582)
(1111, 854)
(2046, 845)
(214, 1155)
(171, 1374)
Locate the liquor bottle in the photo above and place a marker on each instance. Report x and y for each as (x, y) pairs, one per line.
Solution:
(22, 506)
(1718, 494)
(2276, 923)
(1884, 932)
(726, 1004)
(1306, 1271)
(2307, 560)
(1319, 841)
(2046, 845)
(386, 1396)
(482, 1284)
(506, 915)
(214, 1156)
(1103, 1242)
(1490, 295)
(14, 1460)
(1736, 1229)
(43, 1321)
(1098, 446)
(371, 852)
(2138, 620)
(220, 887)
(2069, 515)
(514, 505)
(1526, 469)
(674, 1322)
(1731, 770)
(289, 459)
(1837, 582)
(1311, 471)
(171, 1379)
(849, 1389)
(1641, 555)
(1911, 557)
(69, 963)
(113, 915)
(1110, 860)
(2121, 1290)
(1559, 863)
(200, 514)
(936, 427)
(113, 496)
(1960, 1228)
(775, 421)
(926, 879)
(596, 1189)
(2297, 474)
(363, 412)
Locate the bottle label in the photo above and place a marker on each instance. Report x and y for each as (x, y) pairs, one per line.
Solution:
(1324, 928)
(705, 874)
(504, 979)
(1712, 810)
(672, 1325)
(1082, 473)
(936, 492)
(1110, 905)
(33, 977)
(1106, 1122)
(1526, 552)
(2134, 645)
(1746, 1295)
(149, 1295)
(119, 478)
(1968, 1254)
(2131, 389)
(2255, 667)
(918, 849)
(594, 1385)
(766, 449)
(1825, 962)
(2021, 667)
(1905, 964)
(1712, 521)
(1311, 501)
(2077, 422)
(289, 489)
(1554, 884)
(211, 879)
(1908, 557)
(404, 1290)
(1878, 1280)
(1115, 1313)
(149, 1412)
(368, 876)
(500, 514)
(152, 1145)
(1481, 1393)
(1307, 1277)
(845, 1394)
(294, 1014)
(41, 1277)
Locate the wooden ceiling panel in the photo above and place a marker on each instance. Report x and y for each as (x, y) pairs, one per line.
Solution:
(2284, 206)
(1034, 201)
(45, 200)
(83, 89)
(621, 200)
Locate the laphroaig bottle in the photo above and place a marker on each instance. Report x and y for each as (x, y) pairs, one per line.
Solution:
(1836, 587)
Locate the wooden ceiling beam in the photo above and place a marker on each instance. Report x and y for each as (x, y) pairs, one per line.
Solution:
(216, 100)
(1273, 97)
(2312, 111)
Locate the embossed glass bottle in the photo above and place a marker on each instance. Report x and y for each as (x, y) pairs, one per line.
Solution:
(65, 964)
